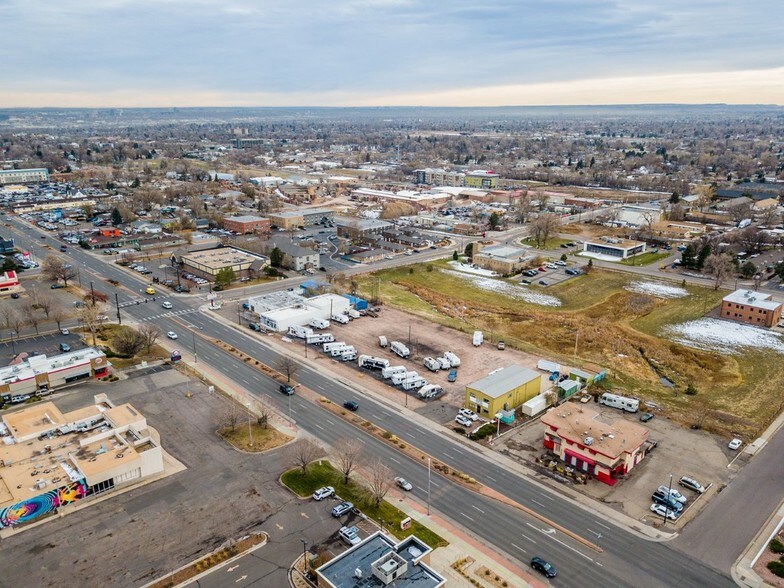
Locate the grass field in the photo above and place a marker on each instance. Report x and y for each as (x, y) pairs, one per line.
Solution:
(322, 473)
(615, 329)
(551, 243)
(645, 258)
(259, 439)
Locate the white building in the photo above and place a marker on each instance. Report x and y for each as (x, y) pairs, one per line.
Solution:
(638, 216)
(280, 310)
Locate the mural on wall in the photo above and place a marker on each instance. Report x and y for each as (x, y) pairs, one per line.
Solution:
(28, 510)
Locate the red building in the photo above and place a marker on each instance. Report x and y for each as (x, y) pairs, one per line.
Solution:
(585, 440)
(9, 283)
(246, 224)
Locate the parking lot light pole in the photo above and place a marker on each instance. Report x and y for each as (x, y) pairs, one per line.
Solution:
(250, 432)
(304, 556)
(667, 503)
(428, 486)
(195, 357)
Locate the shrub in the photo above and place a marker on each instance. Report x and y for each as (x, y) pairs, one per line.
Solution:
(777, 567)
(776, 546)
(691, 390)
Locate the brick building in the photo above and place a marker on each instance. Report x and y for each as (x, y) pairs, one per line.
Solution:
(246, 224)
(754, 308)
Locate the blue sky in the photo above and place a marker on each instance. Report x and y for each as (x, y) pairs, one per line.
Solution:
(341, 52)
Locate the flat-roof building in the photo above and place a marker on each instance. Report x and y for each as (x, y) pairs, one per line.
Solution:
(209, 263)
(23, 176)
(612, 249)
(280, 310)
(52, 459)
(504, 259)
(246, 223)
(754, 308)
(502, 390)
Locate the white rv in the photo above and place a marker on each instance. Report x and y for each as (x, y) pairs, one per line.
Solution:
(454, 360)
(478, 338)
(340, 318)
(399, 349)
(398, 379)
(317, 338)
(353, 313)
(319, 323)
(328, 347)
(390, 371)
(340, 349)
(382, 341)
(300, 331)
(432, 364)
(621, 402)
(373, 363)
(348, 354)
(414, 383)
(429, 391)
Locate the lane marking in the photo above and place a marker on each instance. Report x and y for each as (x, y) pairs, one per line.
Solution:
(457, 450)
(546, 496)
(605, 526)
(489, 477)
(527, 537)
(232, 568)
(518, 547)
(539, 503)
(318, 426)
(477, 508)
(395, 460)
(436, 484)
(466, 516)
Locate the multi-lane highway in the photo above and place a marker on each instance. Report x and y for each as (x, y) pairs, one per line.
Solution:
(626, 560)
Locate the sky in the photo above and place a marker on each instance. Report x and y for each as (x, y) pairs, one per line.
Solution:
(127, 53)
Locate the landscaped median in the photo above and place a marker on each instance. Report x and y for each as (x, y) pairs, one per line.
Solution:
(322, 473)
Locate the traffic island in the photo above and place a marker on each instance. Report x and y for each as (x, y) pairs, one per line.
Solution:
(257, 439)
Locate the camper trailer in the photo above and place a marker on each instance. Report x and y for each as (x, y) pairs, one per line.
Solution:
(373, 363)
(621, 402)
(348, 354)
(318, 323)
(340, 318)
(328, 347)
(388, 372)
(398, 379)
(399, 349)
(432, 364)
(300, 331)
(478, 338)
(382, 341)
(454, 360)
(353, 313)
(429, 391)
(318, 338)
(414, 383)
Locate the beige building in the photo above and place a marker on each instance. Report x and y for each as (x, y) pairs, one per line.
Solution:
(209, 263)
(50, 459)
(503, 259)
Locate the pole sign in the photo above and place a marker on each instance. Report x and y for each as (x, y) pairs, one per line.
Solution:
(405, 524)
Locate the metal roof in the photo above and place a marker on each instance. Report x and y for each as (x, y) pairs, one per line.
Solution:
(504, 380)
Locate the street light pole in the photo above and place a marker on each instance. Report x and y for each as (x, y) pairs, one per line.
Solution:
(250, 432)
(195, 357)
(428, 486)
(667, 504)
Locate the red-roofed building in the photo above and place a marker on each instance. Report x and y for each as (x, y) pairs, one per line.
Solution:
(9, 283)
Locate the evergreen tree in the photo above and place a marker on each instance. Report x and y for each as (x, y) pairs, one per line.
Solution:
(704, 253)
(688, 256)
(116, 217)
(276, 257)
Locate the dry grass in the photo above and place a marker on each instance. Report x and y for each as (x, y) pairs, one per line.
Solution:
(262, 438)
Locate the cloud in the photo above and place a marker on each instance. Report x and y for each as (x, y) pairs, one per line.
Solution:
(312, 50)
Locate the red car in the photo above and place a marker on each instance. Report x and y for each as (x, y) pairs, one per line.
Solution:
(541, 269)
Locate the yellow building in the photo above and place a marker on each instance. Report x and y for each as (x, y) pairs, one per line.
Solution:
(503, 389)
(481, 179)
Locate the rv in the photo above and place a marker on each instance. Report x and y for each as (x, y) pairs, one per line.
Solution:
(454, 360)
(399, 349)
(319, 338)
(390, 371)
(432, 364)
(414, 383)
(300, 331)
(348, 354)
(353, 313)
(398, 379)
(319, 323)
(478, 338)
(373, 363)
(336, 351)
(340, 318)
(444, 362)
(429, 391)
(382, 341)
(615, 401)
(328, 347)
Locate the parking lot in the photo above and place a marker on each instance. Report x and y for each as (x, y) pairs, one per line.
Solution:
(679, 452)
(48, 345)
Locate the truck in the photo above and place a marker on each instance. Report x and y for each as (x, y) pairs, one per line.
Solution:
(337, 351)
(478, 338)
(373, 363)
(621, 402)
(348, 354)
(399, 349)
(454, 360)
(340, 318)
(382, 341)
(300, 331)
(390, 371)
(328, 347)
(432, 364)
(319, 323)
(318, 338)
(414, 383)
(398, 379)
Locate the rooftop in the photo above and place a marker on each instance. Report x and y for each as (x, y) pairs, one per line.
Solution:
(41, 364)
(219, 258)
(503, 380)
(244, 218)
(753, 299)
(503, 251)
(609, 437)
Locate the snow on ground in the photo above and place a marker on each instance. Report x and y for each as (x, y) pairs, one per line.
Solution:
(600, 256)
(507, 289)
(468, 269)
(724, 336)
(656, 289)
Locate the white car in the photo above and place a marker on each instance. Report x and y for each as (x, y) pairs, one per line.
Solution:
(171, 335)
(323, 493)
(674, 494)
(464, 421)
(166, 304)
(65, 331)
(662, 511)
(469, 414)
(549, 265)
(560, 263)
(404, 484)
(735, 444)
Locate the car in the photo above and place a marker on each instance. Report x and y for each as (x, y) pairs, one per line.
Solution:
(501, 345)
(544, 567)
(286, 389)
(65, 331)
(691, 484)
(564, 246)
(341, 509)
(323, 493)
(542, 283)
(404, 484)
(550, 266)
(673, 493)
(15, 295)
(63, 248)
(663, 511)
(663, 498)
(452, 375)
(43, 237)
(541, 269)
(101, 317)
(350, 535)
(351, 405)
(183, 289)
(646, 416)
(560, 263)
(166, 304)
(735, 444)
(171, 335)
(56, 286)
(585, 398)
(464, 421)
(65, 347)
(469, 414)
(149, 290)
(572, 272)
(254, 327)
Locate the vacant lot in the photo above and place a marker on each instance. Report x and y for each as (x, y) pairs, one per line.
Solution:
(602, 320)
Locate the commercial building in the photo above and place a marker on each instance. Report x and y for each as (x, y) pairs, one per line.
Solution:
(23, 176)
(639, 215)
(503, 259)
(207, 264)
(40, 375)
(504, 389)
(52, 459)
(246, 224)
(379, 561)
(289, 219)
(7, 245)
(754, 308)
(612, 249)
(439, 177)
(9, 283)
(606, 449)
(280, 310)
(487, 180)
(298, 258)
(421, 199)
(358, 228)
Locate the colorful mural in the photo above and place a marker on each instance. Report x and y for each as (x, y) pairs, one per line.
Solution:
(28, 510)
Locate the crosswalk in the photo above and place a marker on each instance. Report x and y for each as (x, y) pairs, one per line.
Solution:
(135, 301)
(169, 314)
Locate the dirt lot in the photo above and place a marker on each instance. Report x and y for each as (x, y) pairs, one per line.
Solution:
(706, 461)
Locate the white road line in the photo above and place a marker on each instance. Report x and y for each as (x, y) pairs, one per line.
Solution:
(539, 503)
(527, 537)
(456, 449)
(477, 508)
(489, 477)
(567, 546)
(466, 516)
(546, 496)
(396, 461)
(436, 484)
(318, 426)
(518, 547)
(601, 525)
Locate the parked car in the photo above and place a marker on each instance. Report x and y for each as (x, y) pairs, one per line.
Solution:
(65, 347)
(691, 484)
(542, 283)
(673, 493)
(646, 416)
(254, 327)
(15, 295)
(56, 286)
(469, 414)
(350, 535)
(501, 345)
(663, 511)
(663, 498)
(560, 263)
(171, 335)
(452, 375)
(65, 331)
(341, 509)
(541, 269)
(735, 444)
(323, 493)
(351, 405)
(404, 484)
(286, 389)
(572, 272)
(543, 567)
(464, 421)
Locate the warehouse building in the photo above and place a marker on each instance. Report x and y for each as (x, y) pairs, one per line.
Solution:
(246, 224)
(612, 249)
(51, 460)
(502, 390)
(280, 310)
(207, 264)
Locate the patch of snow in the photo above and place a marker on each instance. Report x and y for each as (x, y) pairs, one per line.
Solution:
(724, 336)
(507, 289)
(469, 269)
(657, 289)
(600, 256)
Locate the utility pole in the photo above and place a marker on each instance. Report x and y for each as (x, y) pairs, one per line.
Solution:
(195, 357)
(117, 302)
(428, 486)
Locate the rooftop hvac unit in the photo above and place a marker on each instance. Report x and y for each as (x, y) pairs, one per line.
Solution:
(589, 440)
(358, 573)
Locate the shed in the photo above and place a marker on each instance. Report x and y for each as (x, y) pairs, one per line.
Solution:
(356, 302)
(584, 378)
(568, 388)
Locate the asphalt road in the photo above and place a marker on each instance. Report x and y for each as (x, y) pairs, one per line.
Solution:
(627, 559)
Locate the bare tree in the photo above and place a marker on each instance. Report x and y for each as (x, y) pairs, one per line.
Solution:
(304, 452)
(89, 316)
(542, 227)
(230, 415)
(58, 314)
(263, 412)
(380, 480)
(150, 334)
(719, 266)
(287, 366)
(752, 239)
(740, 211)
(53, 268)
(705, 194)
(13, 320)
(128, 342)
(30, 312)
(769, 216)
(349, 452)
(45, 302)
